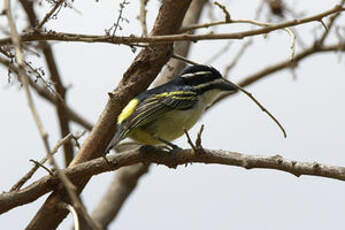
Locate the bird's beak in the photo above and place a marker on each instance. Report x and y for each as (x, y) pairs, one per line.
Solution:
(228, 85)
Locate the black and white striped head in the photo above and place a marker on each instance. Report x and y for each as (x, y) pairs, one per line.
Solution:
(205, 78)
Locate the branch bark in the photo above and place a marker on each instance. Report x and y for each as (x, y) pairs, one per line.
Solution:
(174, 66)
(55, 77)
(140, 74)
(126, 179)
(11, 200)
(50, 97)
(162, 39)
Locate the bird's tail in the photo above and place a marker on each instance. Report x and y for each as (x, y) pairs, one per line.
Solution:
(116, 139)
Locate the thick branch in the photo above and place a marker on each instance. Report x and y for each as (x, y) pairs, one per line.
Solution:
(139, 75)
(121, 187)
(248, 161)
(174, 66)
(126, 179)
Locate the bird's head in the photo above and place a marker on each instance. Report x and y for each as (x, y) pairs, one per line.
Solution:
(206, 81)
(204, 78)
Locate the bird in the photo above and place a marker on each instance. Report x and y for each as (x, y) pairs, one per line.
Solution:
(163, 113)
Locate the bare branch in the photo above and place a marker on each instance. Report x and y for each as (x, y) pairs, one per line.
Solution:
(52, 98)
(238, 55)
(50, 13)
(140, 74)
(72, 192)
(20, 60)
(225, 11)
(112, 30)
(62, 112)
(331, 22)
(178, 57)
(159, 39)
(126, 179)
(29, 174)
(124, 182)
(284, 64)
(72, 115)
(142, 16)
(74, 214)
(262, 108)
(175, 66)
(248, 161)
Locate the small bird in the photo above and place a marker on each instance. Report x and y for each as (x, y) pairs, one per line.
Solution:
(163, 113)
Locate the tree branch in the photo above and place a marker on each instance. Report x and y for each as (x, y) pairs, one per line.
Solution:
(159, 39)
(140, 74)
(174, 66)
(19, 56)
(11, 200)
(46, 94)
(126, 179)
(265, 72)
(62, 112)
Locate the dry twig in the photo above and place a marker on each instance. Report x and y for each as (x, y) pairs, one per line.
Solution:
(159, 39)
(72, 192)
(154, 57)
(74, 214)
(142, 16)
(29, 174)
(24, 79)
(49, 14)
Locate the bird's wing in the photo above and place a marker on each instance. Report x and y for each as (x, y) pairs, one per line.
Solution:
(153, 107)
(150, 109)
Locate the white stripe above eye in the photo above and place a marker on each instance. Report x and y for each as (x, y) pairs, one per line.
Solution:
(219, 80)
(188, 75)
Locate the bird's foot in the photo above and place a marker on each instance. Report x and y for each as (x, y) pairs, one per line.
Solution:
(173, 151)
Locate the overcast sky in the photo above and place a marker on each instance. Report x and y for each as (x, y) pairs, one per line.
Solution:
(199, 196)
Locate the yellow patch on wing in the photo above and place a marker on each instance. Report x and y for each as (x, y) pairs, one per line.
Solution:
(169, 94)
(127, 111)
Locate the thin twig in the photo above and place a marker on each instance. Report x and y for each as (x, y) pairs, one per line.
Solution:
(142, 16)
(133, 40)
(198, 138)
(329, 25)
(73, 212)
(40, 163)
(179, 57)
(36, 71)
(51, 97)
(223, 50)
(292, 43)
(189, 140)
(20, 60)
(253, 22)
(71, 190)
(26, 177)
(112, 30)
(324, 25)
(49, 14)
(237, 57)
(72, 114)
(261, 106)
(225, 11)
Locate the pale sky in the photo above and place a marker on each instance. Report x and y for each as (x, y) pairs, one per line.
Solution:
(199, 196)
